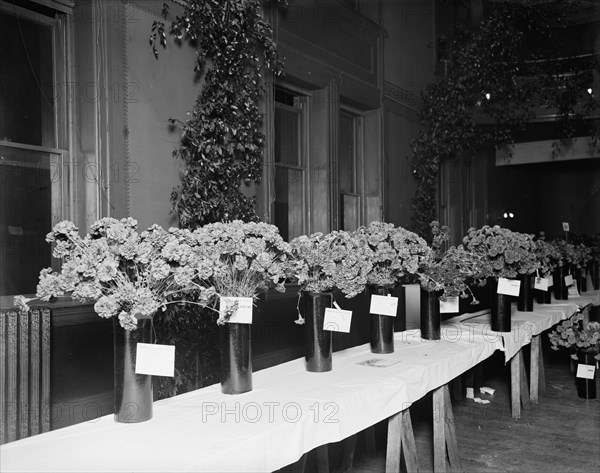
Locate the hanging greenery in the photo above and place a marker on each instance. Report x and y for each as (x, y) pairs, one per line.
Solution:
(222, 141)
(518, 60)
(221, 150)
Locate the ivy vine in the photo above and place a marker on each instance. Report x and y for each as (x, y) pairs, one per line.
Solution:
(501, 71)
(222, 141)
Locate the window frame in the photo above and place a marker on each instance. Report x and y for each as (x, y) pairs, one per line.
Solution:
(60, 162)
(359, 177)
(301, 108)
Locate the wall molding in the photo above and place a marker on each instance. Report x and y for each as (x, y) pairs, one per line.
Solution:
(125, 76)
(402, 96)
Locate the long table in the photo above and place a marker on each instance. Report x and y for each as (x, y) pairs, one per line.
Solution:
(288, 413)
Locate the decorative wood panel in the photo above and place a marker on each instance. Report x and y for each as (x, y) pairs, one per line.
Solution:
(24, 373)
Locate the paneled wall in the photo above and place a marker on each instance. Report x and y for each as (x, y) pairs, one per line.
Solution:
(408, 67)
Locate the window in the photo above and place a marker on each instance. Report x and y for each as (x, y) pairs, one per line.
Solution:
(289, 164)
(33, 139)
(349, 163)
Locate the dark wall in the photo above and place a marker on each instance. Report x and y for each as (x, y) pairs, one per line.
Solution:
(543, 195)
(401, 128)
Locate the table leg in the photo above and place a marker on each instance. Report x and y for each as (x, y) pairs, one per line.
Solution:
(408, 441)
(401, 440)
(524, 386)
(534, 369)
(450, 431)
(444, 433)
(515, 386)
(541, 371)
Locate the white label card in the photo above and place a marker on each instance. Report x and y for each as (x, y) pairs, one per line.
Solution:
(450, 305)
(565, 226)
(337, 320)
(157, 360)
(550, 279)
(541, 284)
(509, 287)
(585, 371)
(573, 290)
(384, 305)
(568, 280)
(243, 314)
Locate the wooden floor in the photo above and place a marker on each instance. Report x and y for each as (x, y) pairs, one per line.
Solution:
(561, 434)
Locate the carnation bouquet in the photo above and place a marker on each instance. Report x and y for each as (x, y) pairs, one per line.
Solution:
(508, 253)
(546, 254)
(576, 255)
(577, 335)
(447, 271)
(393, 251)
(244, 258)
(128, 275)
(323, 262)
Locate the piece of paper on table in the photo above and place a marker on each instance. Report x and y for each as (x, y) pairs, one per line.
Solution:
(568, 280)
(509, 287)
(485, 389)
(470, 393)
(585, 371)
(157, 360)
(541, 284)
(379, 362)
(243, 314)
(450, 305)
(573, 290)
(384, 305)
(337, 320)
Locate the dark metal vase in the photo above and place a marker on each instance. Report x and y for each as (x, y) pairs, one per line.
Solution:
(318, 356)
(500, 308)
(576, 273)
(582, 280)
(561, 291)
(526, 291)
(132, 392)
(543, 297)
(236, 358)
(430, 315)
(586, 388)
(382, 326)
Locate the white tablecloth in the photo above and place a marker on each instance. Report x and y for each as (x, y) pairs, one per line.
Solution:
(289, 412)
(524, 325)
